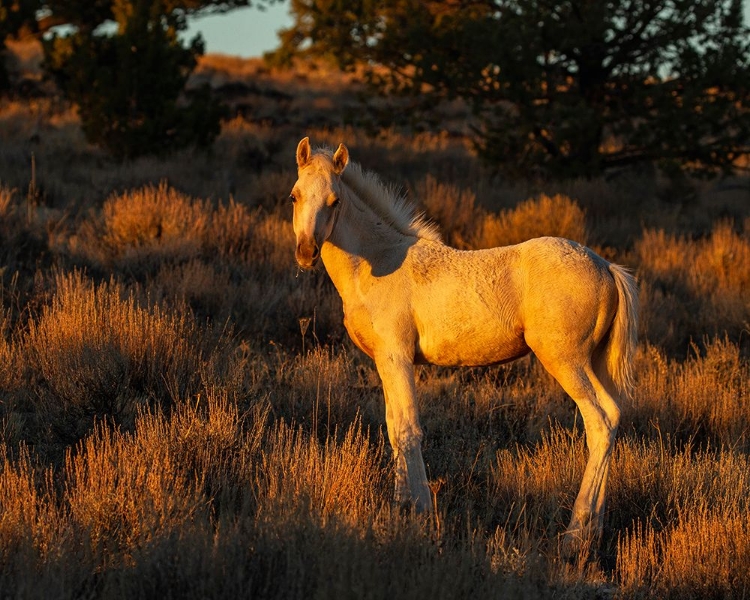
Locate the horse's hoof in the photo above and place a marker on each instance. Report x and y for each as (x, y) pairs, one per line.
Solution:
(578, 545)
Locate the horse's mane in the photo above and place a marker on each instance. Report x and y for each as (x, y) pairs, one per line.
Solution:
(388, 203)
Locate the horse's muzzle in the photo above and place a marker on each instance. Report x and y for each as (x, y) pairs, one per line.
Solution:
(307, 254)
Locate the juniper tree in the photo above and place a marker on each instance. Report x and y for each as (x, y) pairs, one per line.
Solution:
(564, 88)
(123, 62)
(129, 79)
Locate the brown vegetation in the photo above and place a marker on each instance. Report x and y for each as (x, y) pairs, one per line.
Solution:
(181, 414)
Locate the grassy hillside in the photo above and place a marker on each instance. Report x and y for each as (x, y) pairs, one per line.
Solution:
(182, 414)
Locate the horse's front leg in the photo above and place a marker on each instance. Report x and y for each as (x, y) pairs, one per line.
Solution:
(404, 431)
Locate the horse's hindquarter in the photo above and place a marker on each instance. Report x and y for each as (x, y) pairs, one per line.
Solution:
(569, 296)
(465, 305)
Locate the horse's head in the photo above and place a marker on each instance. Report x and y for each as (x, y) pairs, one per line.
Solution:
(315, 197)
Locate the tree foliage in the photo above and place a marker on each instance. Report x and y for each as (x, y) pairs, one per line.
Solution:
(565, 88)
(130, 86)
(15, 15)
(124, 64)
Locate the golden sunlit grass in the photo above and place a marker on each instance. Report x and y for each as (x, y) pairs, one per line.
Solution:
(157, 225)
(546, 215)
(698, 548)
(703, 285)
(181, 414)
(467, 226)
(701, 398)
(94, 352)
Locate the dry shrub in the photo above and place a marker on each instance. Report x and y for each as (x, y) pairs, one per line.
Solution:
(328, 479)
(700, 399)
(146, 513)
(655, 481)
(206, 288)
(152, 216)
(122, 495)
(546, 215)
(706, 554)
(453, 208)
(239, 140)
(125, 493)
(699, 545)
(129, 490)
(245, 271)
(216, 444)
(702, 285)
(28, 510)
(146, 225)
(95, 351)
(141, 230)
(262, 240)
(683, 518)
(323, 389)
(230, 229)
(271, 245)
(717, 264)
(537, 484)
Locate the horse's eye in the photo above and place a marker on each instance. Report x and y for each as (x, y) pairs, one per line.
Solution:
(292, 198)
(336, 202)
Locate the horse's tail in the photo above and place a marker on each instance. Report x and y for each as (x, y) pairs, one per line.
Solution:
(623, 334)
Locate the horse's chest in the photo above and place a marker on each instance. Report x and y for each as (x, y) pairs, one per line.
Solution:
(360, 329)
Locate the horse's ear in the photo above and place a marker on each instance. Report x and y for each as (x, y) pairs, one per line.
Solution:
(340, 159)
(303, 152)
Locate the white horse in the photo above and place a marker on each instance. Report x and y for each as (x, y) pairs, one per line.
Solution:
(408, 298)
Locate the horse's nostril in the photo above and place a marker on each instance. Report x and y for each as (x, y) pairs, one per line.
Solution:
(308, 253)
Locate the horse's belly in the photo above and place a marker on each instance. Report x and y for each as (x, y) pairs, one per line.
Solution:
(470, 348)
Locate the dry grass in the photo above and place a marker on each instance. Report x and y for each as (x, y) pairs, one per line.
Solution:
(694, 543)
(699, 399)
(94, 352)
(454, 209)
(703, 556)
(155, 225)
(703, 285)
(466, 225)
(169, 427)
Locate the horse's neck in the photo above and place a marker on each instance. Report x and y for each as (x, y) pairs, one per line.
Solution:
(358, 244)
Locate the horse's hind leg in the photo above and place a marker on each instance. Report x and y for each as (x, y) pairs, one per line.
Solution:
(601, 416)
